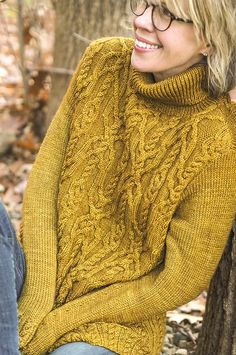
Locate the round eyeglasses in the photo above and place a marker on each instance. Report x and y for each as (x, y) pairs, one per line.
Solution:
(161, 16)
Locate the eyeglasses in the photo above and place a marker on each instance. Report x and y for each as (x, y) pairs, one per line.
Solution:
(161, 16)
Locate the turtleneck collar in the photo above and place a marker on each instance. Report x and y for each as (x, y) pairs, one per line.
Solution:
(182, 90)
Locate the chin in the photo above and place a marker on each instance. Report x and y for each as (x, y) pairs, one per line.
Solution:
(139, 64)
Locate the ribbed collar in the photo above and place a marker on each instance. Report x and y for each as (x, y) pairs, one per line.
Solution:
(184, 90)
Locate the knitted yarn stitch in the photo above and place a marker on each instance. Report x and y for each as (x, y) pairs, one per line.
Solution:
(128, 207)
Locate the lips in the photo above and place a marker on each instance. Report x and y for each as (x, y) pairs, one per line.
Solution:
(142, 43)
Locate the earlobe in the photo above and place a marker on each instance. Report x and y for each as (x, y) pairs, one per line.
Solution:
(207, 50)
(232, 94)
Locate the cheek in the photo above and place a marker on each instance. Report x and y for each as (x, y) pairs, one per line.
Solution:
(181, 43)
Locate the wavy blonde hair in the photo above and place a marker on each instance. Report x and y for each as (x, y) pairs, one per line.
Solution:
(215, 23)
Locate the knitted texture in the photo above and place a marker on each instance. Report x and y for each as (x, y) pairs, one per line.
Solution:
(128, 206)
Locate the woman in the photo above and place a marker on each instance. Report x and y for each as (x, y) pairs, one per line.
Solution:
(132, 197)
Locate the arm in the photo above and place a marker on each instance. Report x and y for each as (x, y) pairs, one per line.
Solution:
(196, 238)
(40, 204)
(40, 218)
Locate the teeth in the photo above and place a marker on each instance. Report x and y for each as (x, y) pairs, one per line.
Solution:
(146, 45)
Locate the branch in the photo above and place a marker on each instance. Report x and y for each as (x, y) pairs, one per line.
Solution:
(52, 70)
(20, 5)
(83, 39)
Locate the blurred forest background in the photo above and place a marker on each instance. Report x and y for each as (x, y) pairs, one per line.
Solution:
(41, 42)
(26, 55)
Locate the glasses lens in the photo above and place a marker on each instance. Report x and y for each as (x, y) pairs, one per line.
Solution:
(138, 7)
(161, 18)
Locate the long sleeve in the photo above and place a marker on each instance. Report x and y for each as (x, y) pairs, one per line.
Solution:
(194, 244)
(40, 209)
(40, 219)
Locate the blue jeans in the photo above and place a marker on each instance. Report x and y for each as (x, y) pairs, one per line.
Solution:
(80, 348)
(12, 271)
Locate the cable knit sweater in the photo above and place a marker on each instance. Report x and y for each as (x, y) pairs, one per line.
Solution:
(128, 207)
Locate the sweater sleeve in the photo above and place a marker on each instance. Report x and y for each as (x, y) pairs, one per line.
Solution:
(40, 218)
(39, 232)
(194, 244)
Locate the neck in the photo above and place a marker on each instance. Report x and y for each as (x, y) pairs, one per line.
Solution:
(185, 92)
(167, 74)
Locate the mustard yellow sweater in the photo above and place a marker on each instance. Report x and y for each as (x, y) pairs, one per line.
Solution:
(128, 207)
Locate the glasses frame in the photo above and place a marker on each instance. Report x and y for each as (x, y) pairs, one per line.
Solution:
(171, 16)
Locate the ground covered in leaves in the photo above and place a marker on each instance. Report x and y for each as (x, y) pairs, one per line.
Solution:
(22, 114)
(21, 125)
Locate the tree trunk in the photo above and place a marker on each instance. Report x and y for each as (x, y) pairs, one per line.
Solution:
(77, 23)
(218, 334)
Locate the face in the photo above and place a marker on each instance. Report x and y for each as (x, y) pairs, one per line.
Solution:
(164, 53)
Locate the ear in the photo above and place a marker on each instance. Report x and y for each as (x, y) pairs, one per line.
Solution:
(232, 94)
(206, 50)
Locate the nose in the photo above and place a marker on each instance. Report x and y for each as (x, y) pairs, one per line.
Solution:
(144, 21)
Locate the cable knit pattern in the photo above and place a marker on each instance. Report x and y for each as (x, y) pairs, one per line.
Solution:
(128, 207)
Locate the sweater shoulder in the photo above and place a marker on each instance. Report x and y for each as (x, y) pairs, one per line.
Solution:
(228, 109)
(115, 45)
(107, 52)
(217, 124)
(104, 59)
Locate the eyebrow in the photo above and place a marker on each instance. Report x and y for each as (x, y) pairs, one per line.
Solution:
(163, 3)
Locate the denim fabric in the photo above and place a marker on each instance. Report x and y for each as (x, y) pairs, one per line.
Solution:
(12, 270)
(81, 348)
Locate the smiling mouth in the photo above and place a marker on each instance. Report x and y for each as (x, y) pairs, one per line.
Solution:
(144, 45)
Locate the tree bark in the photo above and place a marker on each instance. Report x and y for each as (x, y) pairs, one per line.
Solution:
(77, 23)
(218, 334)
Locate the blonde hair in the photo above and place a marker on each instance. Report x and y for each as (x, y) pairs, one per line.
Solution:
(215, 23)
